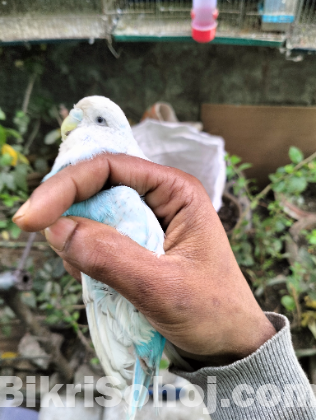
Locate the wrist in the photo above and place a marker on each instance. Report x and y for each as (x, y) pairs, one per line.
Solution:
(237, 344)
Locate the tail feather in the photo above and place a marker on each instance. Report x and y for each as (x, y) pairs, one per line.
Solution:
(143, 379)
(146, 367)
(156, 391)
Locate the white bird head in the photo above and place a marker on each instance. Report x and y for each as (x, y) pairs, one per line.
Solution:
(95, 125)
(95, 111)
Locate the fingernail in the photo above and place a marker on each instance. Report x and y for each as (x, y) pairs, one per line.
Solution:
(21, 212)
(60, 232)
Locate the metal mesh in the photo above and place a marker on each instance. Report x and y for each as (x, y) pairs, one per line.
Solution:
(237, 18)
(22, 20)
(172, 17)
(303, 32)
(43, 7)
(152, 18)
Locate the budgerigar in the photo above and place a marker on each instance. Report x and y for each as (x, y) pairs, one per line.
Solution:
(97, 125)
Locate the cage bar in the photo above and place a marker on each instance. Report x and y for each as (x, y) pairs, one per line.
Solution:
(246, 21)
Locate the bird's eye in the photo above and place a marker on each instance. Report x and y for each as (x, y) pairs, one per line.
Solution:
(100, 120)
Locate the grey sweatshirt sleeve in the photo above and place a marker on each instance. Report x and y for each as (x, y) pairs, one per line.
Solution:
(268, 384)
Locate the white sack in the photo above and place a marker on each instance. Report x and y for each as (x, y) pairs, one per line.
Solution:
(182, 146)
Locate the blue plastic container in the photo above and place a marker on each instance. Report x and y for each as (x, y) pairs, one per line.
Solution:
(277, 15)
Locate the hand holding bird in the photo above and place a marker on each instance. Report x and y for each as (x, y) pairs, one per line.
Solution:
(194, 294)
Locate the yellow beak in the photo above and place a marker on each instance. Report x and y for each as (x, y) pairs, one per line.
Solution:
(71, 122)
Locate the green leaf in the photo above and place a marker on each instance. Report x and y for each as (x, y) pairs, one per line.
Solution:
(75, 316)
(52, 319)
(8, 180)
(279, 225)
(235, 159)
(242, 182)
(273, 178)
(3, 135)
(295, 154)
(14, 231)
(289, 168)
(279, 187)
(244, 166)
(13, 133)
(6, 159)
(312, 238)
(230, 172)
(56, 288)
(296, 184)
(280, 171)
(6, 330)
(3, 224)
(19, 175)
(8, 200)
(288, 302)
(21, 120)
(2, 115)
(57, 269)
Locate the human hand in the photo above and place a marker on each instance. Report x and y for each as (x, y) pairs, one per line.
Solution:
(195, 295)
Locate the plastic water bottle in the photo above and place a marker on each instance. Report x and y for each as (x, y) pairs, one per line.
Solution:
(204, 14)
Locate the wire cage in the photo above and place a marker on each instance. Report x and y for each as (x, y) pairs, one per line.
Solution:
(302, 34)
(163, 18)
(270, 21)
(36, 20)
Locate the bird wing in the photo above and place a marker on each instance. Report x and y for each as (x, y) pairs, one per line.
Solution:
(113, 353)
(115, 324)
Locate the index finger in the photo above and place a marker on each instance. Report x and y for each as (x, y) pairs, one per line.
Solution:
(166, 190)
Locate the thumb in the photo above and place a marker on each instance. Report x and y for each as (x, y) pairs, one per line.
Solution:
(106, 255)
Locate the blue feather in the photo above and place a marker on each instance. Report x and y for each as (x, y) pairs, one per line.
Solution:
(103, 208)
(149, 352)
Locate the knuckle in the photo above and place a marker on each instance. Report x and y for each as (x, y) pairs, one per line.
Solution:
(87, 251)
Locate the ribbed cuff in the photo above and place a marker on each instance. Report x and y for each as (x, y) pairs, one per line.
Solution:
(268, 384)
